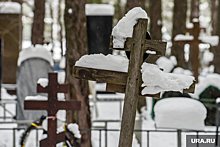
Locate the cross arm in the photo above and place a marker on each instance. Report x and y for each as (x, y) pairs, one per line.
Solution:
(152, 45)
(100, 75)
(69, 105)
(121, 89)
(35, 105)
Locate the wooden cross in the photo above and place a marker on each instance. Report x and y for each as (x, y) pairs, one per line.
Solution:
(130, 82)
(52, 105)
(194, 44)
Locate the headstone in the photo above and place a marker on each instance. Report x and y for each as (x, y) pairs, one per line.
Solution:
(33, 63)
(99, 27)
(11, 36)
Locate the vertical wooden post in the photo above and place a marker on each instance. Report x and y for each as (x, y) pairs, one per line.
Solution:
(195, 50)
(133, 82)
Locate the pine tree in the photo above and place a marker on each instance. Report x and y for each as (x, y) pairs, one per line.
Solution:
(75, 27)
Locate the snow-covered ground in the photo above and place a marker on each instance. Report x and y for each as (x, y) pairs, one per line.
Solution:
(107, 110)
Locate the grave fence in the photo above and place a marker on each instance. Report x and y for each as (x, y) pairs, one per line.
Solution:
(101, 140)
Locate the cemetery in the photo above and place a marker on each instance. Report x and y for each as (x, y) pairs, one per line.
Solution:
(77, 73)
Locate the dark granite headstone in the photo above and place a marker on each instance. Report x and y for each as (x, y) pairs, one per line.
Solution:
(28, 74)
(99, 30)
(208, 97)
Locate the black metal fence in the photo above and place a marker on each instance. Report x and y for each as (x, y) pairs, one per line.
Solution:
(102, 135)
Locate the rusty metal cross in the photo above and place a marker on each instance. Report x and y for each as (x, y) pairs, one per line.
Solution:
(52, 105)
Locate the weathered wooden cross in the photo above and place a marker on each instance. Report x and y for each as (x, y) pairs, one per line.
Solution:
(130, 82)
(194, 44)
(52, 105)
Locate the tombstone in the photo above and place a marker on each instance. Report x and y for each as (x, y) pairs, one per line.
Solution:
(33, 63)
(11, 39)
(99, 27)
(208, 96)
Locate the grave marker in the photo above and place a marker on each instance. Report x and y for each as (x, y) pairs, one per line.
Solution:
(130, 82)
(52, 105)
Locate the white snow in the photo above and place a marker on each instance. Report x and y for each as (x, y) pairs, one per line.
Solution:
(212, 40)
(195, 20)
(181, 37)
(180, 70)
(157, 81)
(100, 61)
(217, 100)
(35, 52)
(207, 57)
(43, 82)
(180, 113)
(37, 98)
(189, 25)
(10, 7)
(62, 64)
(124, 27)
(166, 64)
(99, 10)
(74, 128)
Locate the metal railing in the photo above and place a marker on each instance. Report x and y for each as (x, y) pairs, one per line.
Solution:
(100, 131)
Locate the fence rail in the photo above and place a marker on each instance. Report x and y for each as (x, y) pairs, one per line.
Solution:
(100, 131)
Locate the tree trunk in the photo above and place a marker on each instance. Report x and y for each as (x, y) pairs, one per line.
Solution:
(134, 3)
(214, 16)
(155, 25)
(75, 27)
(61, 28)
(37, 36)
(179, 27)
(194, 9)
(217, 50)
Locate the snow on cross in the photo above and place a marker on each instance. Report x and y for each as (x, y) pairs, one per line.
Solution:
(129, 82)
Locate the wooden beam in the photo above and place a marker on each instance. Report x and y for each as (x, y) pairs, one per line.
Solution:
(121, 89)
(100, 75)
(152, 45)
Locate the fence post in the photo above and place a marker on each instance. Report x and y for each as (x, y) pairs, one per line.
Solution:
(106, 138)
(179, 138)
(14, 137)
(36, 137)
(148, 137)
(100, 138)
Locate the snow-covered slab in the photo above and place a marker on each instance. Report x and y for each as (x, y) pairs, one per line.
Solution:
(10, 7)
(181, 37)
(180, 113)
(100, 61)
(35, 52)
(99, 10)
(209, 80)
(212, 40)
(124, 27)
(156, 81)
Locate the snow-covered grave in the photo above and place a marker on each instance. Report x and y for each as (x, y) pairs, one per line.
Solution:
(52, 105)
(129, 35)
(33, 63)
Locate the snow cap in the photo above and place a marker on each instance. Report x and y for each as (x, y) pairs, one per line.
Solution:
(35, 52)
(124, 27)
(100, 61)
(99, 10)
(180, 113)
(10, 7)
(156, 81)
(74, 128)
